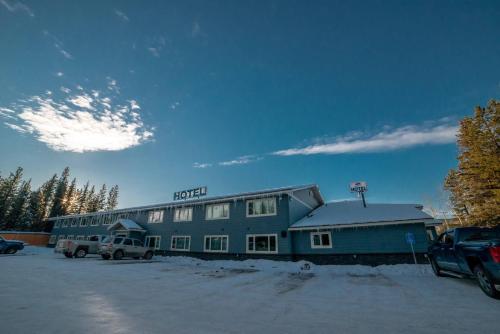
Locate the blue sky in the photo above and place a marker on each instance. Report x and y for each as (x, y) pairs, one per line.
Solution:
(162, 96)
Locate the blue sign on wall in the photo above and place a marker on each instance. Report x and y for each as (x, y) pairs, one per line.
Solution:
(410, 238)
(191, 193)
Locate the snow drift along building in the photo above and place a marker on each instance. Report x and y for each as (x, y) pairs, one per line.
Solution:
(290, 223)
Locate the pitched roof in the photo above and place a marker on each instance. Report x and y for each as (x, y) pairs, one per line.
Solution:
(352, 213)
(126, 224)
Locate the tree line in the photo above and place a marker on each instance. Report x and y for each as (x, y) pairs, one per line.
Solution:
(474, 186)
(22, 208)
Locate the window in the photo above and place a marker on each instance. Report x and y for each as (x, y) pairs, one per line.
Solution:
(216, 243)
(153, 241)
(127, 242)
(262, 243)
(430, 235)
(181, 243)
(137, 243)
(321, 240)
(155, 217)
(217, 211)
(84, 222)
(80, 237)
(65, 223)
(117, 241)
(53, 239)
(60, 237)
(70, 237)
(261, 207)
(183, 214)
(56, 224)
(94, 221)
(74, 222)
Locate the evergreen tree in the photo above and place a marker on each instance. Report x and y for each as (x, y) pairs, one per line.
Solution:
(83, 198)
(475, 185)
(70, 199)
(17, 217)
(8, 189)
(92, 201)
(36, 209)
(112, 202)
(58, 208)
(47, 190)
(101, 198)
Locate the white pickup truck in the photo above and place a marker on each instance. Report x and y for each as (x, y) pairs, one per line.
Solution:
(79, 248)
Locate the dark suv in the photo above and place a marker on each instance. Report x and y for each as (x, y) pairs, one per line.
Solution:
(10, 246)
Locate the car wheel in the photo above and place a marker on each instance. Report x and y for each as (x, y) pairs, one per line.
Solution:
(148, 255)
(435, 268)
(118, 255)
(105, 256)
(80, 253)
(11, 251)
(485, 282)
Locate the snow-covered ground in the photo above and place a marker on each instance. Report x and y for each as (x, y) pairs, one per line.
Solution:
(41, 292)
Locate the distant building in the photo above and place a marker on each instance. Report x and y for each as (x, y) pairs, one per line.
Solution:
(290, 223)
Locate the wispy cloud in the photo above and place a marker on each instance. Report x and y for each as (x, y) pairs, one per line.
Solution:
(16, 6)
(156, 46)
(59, 74)
(58, 44)
(387, 140)
(243, 160)
(86, 121)
(202, 165)
(121, 15)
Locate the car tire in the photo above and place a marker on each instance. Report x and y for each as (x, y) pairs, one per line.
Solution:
(148, 255)
(118, 255)
(11, 251)
(105, 256)
(80, 253)
(485, 282)
(435, 268)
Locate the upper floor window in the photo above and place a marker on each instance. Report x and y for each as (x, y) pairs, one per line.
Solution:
(74, 222)
(94, 221)
(183, 214)
(84, 221)
(261, 207)
(217, 211)
(155, 216)
(321, 240)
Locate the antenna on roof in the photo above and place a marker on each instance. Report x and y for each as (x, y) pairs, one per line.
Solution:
(360, 188)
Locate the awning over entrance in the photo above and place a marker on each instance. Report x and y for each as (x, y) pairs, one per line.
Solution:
(126, 225)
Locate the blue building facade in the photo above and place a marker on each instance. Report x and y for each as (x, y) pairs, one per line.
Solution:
(263, 224)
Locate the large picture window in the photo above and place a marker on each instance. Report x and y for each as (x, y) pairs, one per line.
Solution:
(183, 214)
(153, 241)
(321, 240)
(217, 211)
(261, 207)
(181, 243)
(216, 243)
(155, 217)
(262, 243)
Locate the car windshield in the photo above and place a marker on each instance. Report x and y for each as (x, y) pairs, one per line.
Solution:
(480, 234)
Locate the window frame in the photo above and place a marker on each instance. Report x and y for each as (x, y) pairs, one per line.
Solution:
(190, 208)
(218, 204)
(276, 251)
(52, 239)
(94, 221)
(313, 246)
(180, 250)
(152, 213)
(74, 222)
(215, 236)
(261, 215)
(82, 220)
(148, 237)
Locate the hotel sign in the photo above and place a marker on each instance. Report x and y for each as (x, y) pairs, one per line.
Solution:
(191, 193)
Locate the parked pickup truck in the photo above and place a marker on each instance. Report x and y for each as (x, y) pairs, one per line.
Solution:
(120, 247)
(10, 246)
(469, 252)
(79, 248)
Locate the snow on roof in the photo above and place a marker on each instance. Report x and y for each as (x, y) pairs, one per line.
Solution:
(348, 213)
(127, 224)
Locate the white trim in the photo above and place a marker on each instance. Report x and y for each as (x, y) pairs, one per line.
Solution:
(262, 215)
(190, 208)
(151, 215)
(248, 236)
(313, 246)
(340, 226)
(218, 218)
(216, 236)
(180, 250)
(150, 237)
